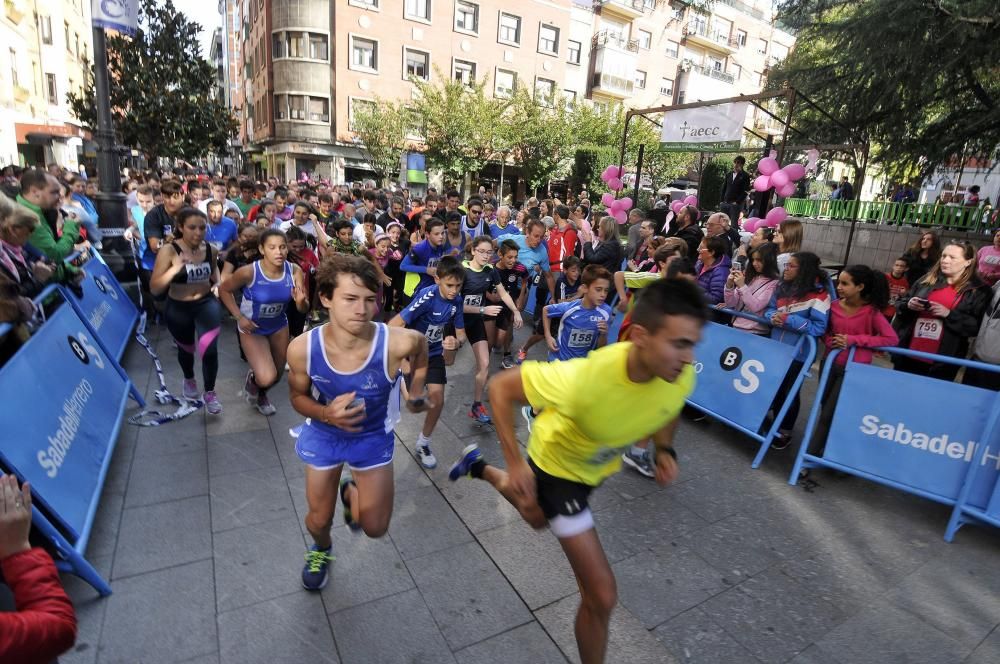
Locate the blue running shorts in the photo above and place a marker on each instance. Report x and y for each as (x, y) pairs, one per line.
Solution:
(324, 451)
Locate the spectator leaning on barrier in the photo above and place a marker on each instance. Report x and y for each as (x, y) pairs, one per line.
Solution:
(800, 305)
(941, 312)
(713, 268)
(987, 348)
(749, 290)
(856, 320)
(17, 225)
(40, 194)
(44, 624)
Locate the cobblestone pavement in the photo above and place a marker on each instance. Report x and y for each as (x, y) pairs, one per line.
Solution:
(200, 532)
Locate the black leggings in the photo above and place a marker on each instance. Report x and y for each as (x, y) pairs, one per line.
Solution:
(788, 422)
(201, 319)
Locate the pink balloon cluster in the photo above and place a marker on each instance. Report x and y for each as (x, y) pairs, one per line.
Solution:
(616, 207)
(782, 179)
(773, 219)
(690, 200)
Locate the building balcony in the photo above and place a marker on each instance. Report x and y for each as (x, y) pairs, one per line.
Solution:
(21, 94)
(711, 72)
(627, 9)
(15, 10)
(613, 41)
(700, 34)
(615, 60)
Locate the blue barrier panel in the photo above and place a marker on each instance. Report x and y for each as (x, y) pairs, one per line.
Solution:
(918, 434)
(105, 306)
(59, 428)
(739, 375)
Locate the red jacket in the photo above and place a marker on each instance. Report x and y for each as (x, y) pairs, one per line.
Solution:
(562, 243)
(44, 624)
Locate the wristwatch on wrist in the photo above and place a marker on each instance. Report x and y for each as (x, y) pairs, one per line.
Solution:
(481, 310)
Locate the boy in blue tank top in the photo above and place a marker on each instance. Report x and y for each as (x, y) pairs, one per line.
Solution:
(436, 312)
(344, 378)
(584, 322)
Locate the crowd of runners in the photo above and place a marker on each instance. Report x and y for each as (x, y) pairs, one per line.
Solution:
(365, 296)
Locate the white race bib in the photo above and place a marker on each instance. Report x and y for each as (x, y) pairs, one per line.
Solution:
(434, 333)
(928, 328)
(198, 272)
(271, 310)
(581, 338)
(473, 300)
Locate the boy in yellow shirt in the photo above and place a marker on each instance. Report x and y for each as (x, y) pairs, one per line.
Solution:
(579, 435)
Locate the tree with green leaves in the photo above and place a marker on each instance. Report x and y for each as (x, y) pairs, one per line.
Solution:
(540, 135)
(161, 89)
(597, 137)
(918, 78)
(461, 124)
(382, 129)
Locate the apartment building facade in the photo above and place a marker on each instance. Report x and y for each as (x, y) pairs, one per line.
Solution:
(308, 64)
(48, 49)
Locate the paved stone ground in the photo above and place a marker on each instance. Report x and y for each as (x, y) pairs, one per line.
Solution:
(200, 532)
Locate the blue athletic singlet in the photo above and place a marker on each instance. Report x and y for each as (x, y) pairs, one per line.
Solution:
(371, 382)
(325, 445)
(265, 300)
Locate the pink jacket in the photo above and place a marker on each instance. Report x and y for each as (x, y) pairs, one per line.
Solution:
(751, 298)
(866, 329)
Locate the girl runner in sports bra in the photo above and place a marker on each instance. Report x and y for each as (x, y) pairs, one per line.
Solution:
(268, 285)
(482, 279)
(186, 270)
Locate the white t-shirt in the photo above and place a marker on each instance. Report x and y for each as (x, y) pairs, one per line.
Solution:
(306, 228)
(359, 233)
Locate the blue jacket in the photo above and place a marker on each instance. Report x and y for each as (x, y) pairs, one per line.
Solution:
(713, 280)
(807, 314)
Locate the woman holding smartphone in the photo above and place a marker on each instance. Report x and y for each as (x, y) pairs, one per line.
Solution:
(750, 285)
(941, 312)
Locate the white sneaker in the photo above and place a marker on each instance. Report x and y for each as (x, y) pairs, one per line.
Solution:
(528, 417)
(426, 457)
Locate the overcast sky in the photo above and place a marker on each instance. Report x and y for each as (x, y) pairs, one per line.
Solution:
(205, 12)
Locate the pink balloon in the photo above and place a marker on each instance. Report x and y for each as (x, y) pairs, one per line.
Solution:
(691, 200)
(617, 171)
(788, 190)
(607, 199)
(751, 224)
(772, 224)
(767, 165)
(615, 207)
(776, 215)
(762, 183)
(621, 216)
(795, 171)
(676, 206)
(779, 179)
(626, 203)
(615, 184)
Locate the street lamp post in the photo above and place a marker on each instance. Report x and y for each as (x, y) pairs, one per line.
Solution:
(110, 199)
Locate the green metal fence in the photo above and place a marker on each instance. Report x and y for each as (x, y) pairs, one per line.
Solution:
(879, 212)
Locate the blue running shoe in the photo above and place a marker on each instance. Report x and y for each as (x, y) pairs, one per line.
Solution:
(479, 414)
(314, 574)
(470, 455)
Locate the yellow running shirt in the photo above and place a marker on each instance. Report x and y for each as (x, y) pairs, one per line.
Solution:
(591, 412)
